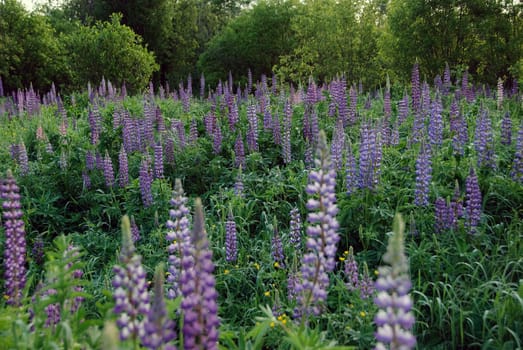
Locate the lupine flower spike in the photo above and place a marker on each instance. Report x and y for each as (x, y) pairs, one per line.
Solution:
(394, 319)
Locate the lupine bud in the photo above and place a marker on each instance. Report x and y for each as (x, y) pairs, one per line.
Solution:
(135, 231)
(15, 244)
(416, 92)
(351, 271)
(394, 319)
(366, 283)
(108, 170)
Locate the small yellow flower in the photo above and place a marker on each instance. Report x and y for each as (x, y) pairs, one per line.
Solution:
(6, 297)
(342, 258)
(346, 252)
(363, 313)
(267, 293)
(276, 264)
(272, 324)
(376, 272)
(280, 318)
(226, 272)
(236, 266)
(257, 266)
(284, 321)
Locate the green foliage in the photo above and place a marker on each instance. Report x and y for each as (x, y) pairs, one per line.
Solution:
(112, 51)
(30, 52)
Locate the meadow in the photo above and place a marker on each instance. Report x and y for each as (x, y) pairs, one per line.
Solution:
(262, 215)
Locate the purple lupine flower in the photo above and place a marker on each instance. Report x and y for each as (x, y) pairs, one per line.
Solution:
(446, 80)
(123, 174)
(286, 139)
(130, 289)
(158, 327)
(23, 160)
(517, 164)
(86, 180)
(351, 271)
(351, 174)
(353, 96)
(337, 145)
(217, 139)
(455, 209)
(14, 149)
(238, 184)
(322, 235)
(500, 93)
(276, 129)
(199, 305)
(473, 202)
(108, 170)
(370, 157)
(423, 176)
(99, 161)
(436, 123)
(277, 247)
(308, 156)
(193, 132)
(416, 91)
(15, 244)
(239, 151)
(158, 160)
(233, 116)
(506, 130)
(441, 215)
(293, 286)
(484, 141)
(178, 234)
(231, 243)
(135, 231)
(394, 319)
(366, 284)
(178, 130)
(146, 180)
(38, 251)
(252, 132)
(295, 229)
(267, 116)
(438, 83)
(458, 128)
(94, 124)
(160, 123)
(514, 89)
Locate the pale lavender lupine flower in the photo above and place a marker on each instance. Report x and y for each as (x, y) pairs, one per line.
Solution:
(322, 235)
(231, 241)
(252, 132)
(351, 270)
(158, 160)
(394, 320)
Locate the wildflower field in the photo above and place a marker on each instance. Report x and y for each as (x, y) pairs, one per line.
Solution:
(263, 215)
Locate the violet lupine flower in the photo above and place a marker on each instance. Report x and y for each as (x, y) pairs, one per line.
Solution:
(95, 128)
(14, 149)
(370, 157)
(484, 141)
(233, 116)
(193, 132)
(178, 235)
(158, 327)
(15, 244)
(231, 243)
(296, 229)
(252, 132)
(458, 128)
(146, 180)
(277, 247)
(86, 180)
(473, 202)
(108, 170)
(337, 145)
(322, 235)
(158, 160)
(394, 319)
(276, 129)
(351, 173)
(517, 163)
(350, 269)
(353, 97)
(506, 130)
(135, 231)
(123, 174)
(38, 251)
(239, 151)
(130, 295)
(423, 176)
(199, 305)
(217, 139)
(267, 116)
(287, 125)
(293, 286)
(23, 159)
(455, 209)
(436, 123)
(238, 184)
(416, 91)
(441, 214)
(366, 284)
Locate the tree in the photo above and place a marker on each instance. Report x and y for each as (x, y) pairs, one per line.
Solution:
(112, 51)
